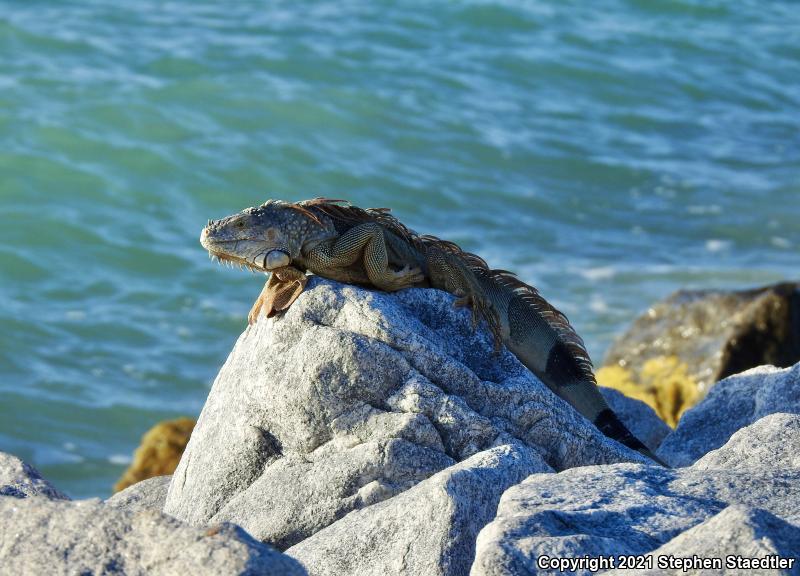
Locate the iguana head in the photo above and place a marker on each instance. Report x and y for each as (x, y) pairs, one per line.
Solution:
(267, 237)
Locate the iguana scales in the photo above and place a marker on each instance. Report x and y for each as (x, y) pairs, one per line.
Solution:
(370, 247)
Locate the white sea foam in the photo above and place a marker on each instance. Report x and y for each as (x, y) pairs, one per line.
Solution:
(599, 273)
(704, 210)
(68, 458)
(717, 245)
(780, 242)
(119, 459)
(598, 304)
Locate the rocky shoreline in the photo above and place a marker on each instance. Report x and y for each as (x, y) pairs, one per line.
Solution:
(372, 433)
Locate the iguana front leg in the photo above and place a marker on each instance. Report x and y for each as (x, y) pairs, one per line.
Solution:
(366, 242)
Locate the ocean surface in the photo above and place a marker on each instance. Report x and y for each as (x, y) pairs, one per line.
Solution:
(609, 152)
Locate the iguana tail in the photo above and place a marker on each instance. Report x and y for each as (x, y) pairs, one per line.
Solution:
(536, 332)
(543, 339)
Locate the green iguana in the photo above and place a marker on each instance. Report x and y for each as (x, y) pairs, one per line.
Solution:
(370, 247)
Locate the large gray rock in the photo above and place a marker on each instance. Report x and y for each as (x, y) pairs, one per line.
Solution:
(736, 531)
(732, 404)
(427, 530)
(716, 333)
(352, 397)
(771, 443)
(148, 494)
(41, 536)
(634, 509)
(22, 480)
(296, 496)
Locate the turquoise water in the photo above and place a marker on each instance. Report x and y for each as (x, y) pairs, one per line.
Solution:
(610, 152)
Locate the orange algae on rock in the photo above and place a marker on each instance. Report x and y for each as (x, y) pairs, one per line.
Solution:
(159, 452)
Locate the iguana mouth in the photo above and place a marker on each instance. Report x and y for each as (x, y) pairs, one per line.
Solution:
(269, 261)
(233, 262)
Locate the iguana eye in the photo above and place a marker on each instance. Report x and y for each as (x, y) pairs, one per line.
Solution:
(240, 224)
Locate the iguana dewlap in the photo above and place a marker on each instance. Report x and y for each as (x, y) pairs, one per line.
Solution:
(283, 287)
(370, 247)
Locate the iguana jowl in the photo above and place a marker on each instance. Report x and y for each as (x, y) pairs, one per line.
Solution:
(341, 242)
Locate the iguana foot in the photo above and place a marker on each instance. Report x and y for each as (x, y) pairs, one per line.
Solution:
(404, 278)
(477, 305)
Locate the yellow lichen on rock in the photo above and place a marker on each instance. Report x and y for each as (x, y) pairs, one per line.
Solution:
(675, 390)
(621, 379)
(663, 383)
(159, 452)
